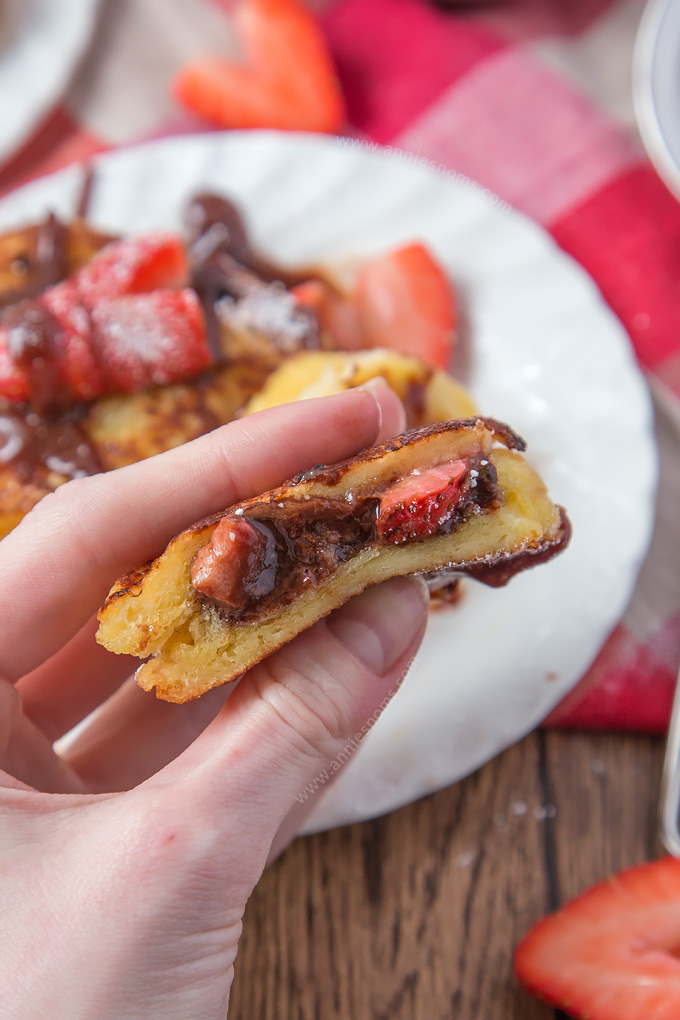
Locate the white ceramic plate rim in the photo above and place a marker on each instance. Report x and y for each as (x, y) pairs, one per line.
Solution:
(548, 356)
(37, 64)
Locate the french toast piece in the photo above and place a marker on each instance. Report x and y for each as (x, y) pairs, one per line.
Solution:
(454, 497)
(131, 427)
(41, 254)
(112, 432)
(428, 394)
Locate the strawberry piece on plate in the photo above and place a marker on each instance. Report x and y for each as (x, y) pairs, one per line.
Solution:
(134, 265)
(612, 953)
(150, 339)
(14, 383)
(46, 355)
(406, 302)
(287, 82)
(79, 366)
(421, 502)
(336, 314)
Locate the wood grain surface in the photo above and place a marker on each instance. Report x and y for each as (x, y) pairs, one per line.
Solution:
(415, 916)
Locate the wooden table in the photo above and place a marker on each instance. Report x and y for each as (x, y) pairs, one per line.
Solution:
(415, 916)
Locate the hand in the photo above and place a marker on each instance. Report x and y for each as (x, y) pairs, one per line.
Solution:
(124, 880)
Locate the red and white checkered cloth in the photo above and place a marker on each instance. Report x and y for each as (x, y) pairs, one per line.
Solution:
(532, 100)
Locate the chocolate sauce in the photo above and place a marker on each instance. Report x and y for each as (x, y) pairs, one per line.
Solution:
(213, 222)
(443, 593)
(33, 445)
(51, 251)
(85, 196)
(33, 343)
(257, 305)
(311, 538)
(497, 575)
(415, 402)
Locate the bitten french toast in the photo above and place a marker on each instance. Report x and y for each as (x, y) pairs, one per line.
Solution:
(456, 497)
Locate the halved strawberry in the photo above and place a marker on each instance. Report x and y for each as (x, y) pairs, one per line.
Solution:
(79, 365)
(336, 314)
(150, 339)
(421, 502)
(406, 302)
(612, 953)
(134, 265)
(14, 383)
(288, 81)
(312, 294)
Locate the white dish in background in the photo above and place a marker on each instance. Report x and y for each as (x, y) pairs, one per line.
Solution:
(41, 43)
(656, 87)
(547, 355)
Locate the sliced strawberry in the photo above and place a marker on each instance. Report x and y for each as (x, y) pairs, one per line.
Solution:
(312, 294)
(236, 554)
(336, 314)
(14, 384)
(288, 81)
(78, 361)
(150, 339)
(612, 953)
(134, 265)
(420, 503)
(45, 353)
(405, 302)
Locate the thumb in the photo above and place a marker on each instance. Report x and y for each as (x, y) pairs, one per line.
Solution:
(304, 708)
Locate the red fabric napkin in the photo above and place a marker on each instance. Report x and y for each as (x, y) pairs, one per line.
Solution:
(530, 100)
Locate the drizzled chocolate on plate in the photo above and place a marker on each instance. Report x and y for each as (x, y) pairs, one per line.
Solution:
(247, 316)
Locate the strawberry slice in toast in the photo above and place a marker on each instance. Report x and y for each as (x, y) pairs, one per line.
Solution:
(456, 497)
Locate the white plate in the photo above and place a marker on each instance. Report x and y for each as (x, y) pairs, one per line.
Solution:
(41, 42)
(548, 356)
(656, 87)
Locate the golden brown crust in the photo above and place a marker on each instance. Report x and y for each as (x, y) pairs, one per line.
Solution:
(334, 475)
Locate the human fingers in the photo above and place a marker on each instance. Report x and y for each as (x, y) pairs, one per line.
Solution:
(26, 754)
(58, 564)
(74, 681)
(294, 719)
(134, 735)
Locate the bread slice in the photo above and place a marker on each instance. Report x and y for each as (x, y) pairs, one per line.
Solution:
(324, 537)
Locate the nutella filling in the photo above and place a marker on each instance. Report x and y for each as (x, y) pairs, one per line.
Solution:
(35, 445)
(260, 558)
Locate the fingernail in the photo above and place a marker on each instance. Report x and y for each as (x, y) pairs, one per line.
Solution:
(379, 625)
(392, 420)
